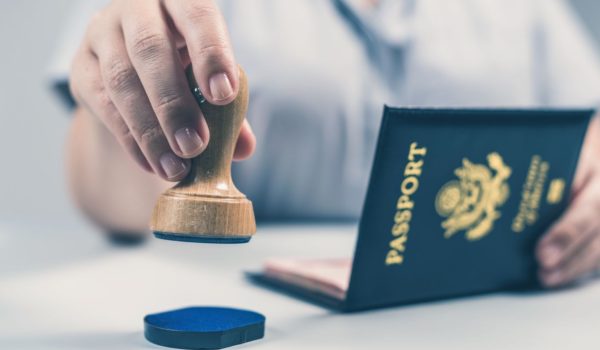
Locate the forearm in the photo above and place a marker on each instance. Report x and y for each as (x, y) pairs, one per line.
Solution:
(105, 182)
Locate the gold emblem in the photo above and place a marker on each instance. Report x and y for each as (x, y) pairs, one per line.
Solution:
(470, 203)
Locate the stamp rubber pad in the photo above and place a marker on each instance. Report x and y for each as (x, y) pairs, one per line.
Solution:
(203, 327)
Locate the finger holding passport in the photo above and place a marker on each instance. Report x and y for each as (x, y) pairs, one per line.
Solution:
(570, 250)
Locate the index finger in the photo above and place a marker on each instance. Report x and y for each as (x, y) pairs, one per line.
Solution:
(572, 230)
(203, 28)
(152, 50)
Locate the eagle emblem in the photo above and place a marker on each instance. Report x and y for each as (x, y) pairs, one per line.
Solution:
(471, 203)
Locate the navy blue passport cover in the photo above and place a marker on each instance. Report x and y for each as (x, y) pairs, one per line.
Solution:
(456, 202)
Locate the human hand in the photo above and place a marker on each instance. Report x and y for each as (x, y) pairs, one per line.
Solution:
(571, 247)
(129, 73)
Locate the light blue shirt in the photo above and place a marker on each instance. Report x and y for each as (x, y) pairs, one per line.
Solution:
(320, 72)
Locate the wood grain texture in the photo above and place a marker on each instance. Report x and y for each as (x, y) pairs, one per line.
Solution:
(206, 204)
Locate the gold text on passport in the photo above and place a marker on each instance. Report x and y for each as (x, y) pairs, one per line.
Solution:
(531, 194)
(471, 203)
(405, 204)
(556, 189)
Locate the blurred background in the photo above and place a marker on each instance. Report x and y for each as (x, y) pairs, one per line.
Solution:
(34, 123)
(34, 200)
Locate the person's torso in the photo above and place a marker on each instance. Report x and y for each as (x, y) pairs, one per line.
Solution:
(321, 71)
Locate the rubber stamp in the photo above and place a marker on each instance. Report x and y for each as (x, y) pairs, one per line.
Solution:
(206, 206)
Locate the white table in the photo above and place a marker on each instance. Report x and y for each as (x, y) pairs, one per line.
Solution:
(64, 288)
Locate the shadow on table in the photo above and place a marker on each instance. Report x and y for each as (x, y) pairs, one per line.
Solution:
(33, 248)
(100, 340)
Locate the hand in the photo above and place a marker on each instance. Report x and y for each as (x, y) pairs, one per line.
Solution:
(129, 73)
(571, 248)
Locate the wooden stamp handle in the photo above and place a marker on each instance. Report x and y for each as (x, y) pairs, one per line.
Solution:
(211, 171)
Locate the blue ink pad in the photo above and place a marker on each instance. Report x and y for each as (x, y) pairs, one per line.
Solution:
(203, 327)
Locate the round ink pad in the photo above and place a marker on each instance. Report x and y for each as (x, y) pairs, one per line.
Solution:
(204, 327)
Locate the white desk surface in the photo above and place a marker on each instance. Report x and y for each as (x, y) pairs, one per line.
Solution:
(64, 288)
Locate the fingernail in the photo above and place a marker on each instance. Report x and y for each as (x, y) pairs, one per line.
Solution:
(220, 87)
(551, 255)
(553, 278)
(172, 165)
(188, 141)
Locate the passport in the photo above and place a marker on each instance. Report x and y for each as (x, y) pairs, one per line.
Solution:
(457, 200)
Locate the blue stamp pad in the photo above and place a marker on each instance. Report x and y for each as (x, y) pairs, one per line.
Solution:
(204, 327)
